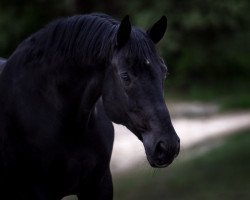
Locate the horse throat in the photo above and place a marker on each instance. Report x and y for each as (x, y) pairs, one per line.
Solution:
(91, 93)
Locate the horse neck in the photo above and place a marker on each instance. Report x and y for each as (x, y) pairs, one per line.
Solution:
(68, 87)
(91, 93)
(2, 64)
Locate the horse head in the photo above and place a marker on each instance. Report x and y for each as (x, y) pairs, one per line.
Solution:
(133, 91)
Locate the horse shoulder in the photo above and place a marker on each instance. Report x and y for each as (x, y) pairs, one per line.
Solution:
(105, 128)
(102, 130)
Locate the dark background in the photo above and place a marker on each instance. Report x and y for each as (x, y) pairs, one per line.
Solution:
(206, 48)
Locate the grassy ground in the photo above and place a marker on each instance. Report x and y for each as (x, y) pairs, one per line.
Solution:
(219, 174)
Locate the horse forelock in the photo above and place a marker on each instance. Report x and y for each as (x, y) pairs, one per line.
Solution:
(140, 46)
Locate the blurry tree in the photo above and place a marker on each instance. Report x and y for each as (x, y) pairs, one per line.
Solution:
(19, 18)
(112, 7)
(207, 41)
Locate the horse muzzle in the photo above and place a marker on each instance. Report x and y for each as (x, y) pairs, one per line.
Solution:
(162, 153)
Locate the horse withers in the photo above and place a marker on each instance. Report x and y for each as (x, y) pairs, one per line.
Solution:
(61, 89)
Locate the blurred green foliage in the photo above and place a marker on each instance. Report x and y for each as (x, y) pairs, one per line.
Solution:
(206, 48)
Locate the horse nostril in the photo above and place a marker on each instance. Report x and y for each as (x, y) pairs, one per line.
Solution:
(163, 150)
(160, 148)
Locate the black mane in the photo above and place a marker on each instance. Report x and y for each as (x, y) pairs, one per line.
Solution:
(89, 37)
(81, 40)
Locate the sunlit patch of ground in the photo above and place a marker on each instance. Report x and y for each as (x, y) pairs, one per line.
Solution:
(194, 123)
(222, 173)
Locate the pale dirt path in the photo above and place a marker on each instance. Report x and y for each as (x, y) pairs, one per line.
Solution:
(129, 152)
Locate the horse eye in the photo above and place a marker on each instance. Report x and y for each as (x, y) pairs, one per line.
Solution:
(125, 78)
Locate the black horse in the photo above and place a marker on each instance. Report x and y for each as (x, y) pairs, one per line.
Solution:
(61, 89)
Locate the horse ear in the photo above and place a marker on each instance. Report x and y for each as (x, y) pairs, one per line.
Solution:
(157, 31)
(123, 32)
